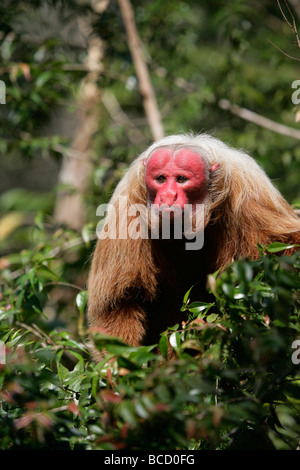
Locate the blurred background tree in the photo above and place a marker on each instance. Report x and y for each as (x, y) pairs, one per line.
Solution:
(76, 116)
(66, 62)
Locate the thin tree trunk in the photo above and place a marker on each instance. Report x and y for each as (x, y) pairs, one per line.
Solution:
(76, 167)
(145, 85)
(296, 5)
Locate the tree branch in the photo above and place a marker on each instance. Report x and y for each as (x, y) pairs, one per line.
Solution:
(291, 24)
(296, 6)
(116, 112)
(75, 172)
(259, 120)
(146, 89)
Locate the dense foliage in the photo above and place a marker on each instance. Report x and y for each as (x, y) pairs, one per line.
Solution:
(235, 381)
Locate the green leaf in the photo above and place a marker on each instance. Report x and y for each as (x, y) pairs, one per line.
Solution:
(43, 78)
(228, 289)
(126, 410)
(62, 371)
(198, 307)
(124, 362)
(81, 300)
(163, 346)
(46, 272)
(278, 246)
(187, 294)
(175, 340)
(86, 233)
(212, 317)
(16, 338)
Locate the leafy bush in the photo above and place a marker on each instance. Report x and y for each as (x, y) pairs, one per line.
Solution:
(233, 385)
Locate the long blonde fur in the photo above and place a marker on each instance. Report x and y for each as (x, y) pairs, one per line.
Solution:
(242, 208)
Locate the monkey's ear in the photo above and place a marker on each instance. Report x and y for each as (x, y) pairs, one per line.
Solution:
(214, 167)
(145, 161)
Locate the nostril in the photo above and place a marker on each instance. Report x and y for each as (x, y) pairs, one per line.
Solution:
(168, 198)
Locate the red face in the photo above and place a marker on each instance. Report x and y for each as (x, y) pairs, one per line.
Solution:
(176, 178)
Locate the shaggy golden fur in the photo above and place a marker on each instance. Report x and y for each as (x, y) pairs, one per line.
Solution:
(136, 286)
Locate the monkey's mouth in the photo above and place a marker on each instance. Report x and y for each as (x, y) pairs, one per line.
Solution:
(164, 209)
(168, 214)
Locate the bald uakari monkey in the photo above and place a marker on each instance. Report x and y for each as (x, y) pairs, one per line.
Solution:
(222, 205)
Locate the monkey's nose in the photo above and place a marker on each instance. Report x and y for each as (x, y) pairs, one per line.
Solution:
(169, 198)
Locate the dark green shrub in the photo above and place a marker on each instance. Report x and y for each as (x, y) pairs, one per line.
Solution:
(234, 384)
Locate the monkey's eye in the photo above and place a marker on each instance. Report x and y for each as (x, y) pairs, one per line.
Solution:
(181, 179)
(160, 179)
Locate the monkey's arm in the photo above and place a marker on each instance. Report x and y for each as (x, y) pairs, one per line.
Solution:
(126, 321)
(122, 277)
